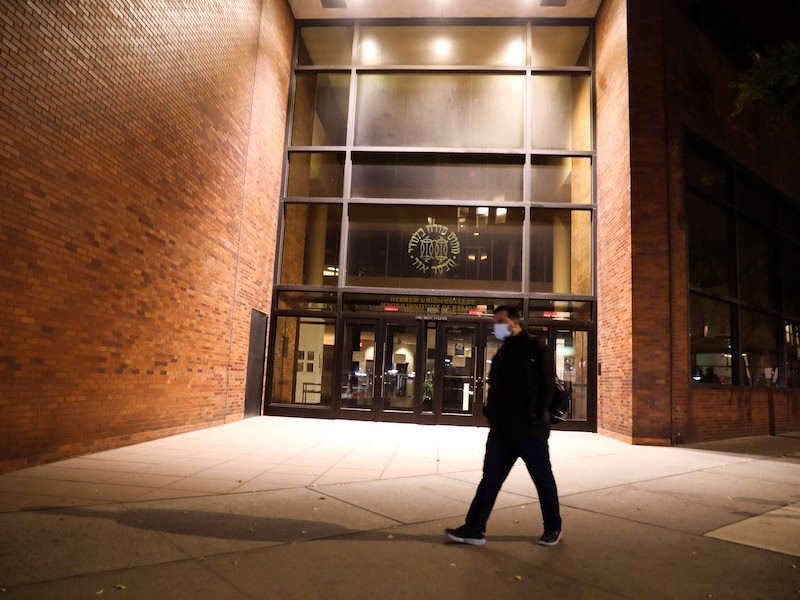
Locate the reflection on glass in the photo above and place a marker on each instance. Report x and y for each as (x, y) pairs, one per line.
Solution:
(791, 282)
(358, 366)
(792, 350)
(759, 360)
(306, 380)
(316, 174)
(400, 367)
(310, 250)
(758, 275)
(428, 385)
(561, 251)
(561, 179)
(560, 46)
(442, 45)
(705, 171)
(459, 370)
(306, 301)
(437, 176)
(710, 340)
(445, 247)
(325, 46)
(320, 109)
(709, 245)
(572, 367)
(468, 110)
(560, 310)
(561, 112)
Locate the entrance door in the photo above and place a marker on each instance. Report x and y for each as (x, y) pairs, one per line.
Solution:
(413, 370)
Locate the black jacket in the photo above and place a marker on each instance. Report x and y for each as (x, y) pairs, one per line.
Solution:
(521, 385)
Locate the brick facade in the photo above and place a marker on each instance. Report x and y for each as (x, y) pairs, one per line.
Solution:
(141, 153)
(658, 76)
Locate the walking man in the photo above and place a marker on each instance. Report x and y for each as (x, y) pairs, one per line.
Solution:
(521, 386)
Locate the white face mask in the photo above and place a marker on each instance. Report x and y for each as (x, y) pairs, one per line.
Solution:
(501, 331)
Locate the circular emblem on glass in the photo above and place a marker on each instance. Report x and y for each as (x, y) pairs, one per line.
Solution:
(434, 248)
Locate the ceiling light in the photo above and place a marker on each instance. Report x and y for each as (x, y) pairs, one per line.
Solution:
(442, 47)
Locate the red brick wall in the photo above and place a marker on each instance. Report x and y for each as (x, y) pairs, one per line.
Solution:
(140, 148)
(701, 99)
(614, 291)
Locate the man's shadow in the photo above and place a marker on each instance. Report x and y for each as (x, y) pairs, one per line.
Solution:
(232, 526)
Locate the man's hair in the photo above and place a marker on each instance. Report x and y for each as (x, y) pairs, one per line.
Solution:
(511, 311)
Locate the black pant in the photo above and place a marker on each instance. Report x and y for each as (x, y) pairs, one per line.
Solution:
(502, 451)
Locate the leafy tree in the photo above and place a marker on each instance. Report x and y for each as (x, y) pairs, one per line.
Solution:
(772, 82)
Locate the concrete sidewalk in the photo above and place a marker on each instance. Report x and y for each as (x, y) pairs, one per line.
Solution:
(289, 508)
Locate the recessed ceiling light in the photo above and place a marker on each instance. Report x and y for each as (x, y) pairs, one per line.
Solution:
(442, 47)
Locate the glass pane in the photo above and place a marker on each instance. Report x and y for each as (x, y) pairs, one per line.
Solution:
(705, 171)
(306, 301)
(561, 179)
(560, 46)
(754, 198)
(492, 346)
(400, 366)
(792, 348)
(316, 174)
(560, 310)
(358, 365)
(325, 46)
(791, 282)
(440, 110)
(759, 366)
(790, 220)
(709, 245)
(459, 370)
(561, 251)
(710, 340)
(444, 247)
(561, 112)
(758, 273)
(438, 176)
(443, 45)
(572, 367)
(430, 367)
(320, 109)
(310, 250)
(428, 305)
(303, 368)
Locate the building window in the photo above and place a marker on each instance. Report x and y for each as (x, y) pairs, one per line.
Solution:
(310, 249)
(303, 364)
(741, 263)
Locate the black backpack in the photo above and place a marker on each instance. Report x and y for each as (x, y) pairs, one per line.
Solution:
(560, 401)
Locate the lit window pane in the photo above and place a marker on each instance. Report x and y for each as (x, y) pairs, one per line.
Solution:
(560, 46)
(791, 282)
(561, 251)
(320, 110)
(443, 247)
(561, 179)
(561, 112)
(431, 176)
(440, 110)
(325, 46)
(310, 251)
(316, 174)
(448, 45)
(710, 340)
(303, 361)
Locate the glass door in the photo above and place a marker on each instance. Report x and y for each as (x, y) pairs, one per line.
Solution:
(358, 367)
(400, 367)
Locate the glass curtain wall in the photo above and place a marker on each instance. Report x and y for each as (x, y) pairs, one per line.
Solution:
(743, 248)
(429, 159)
